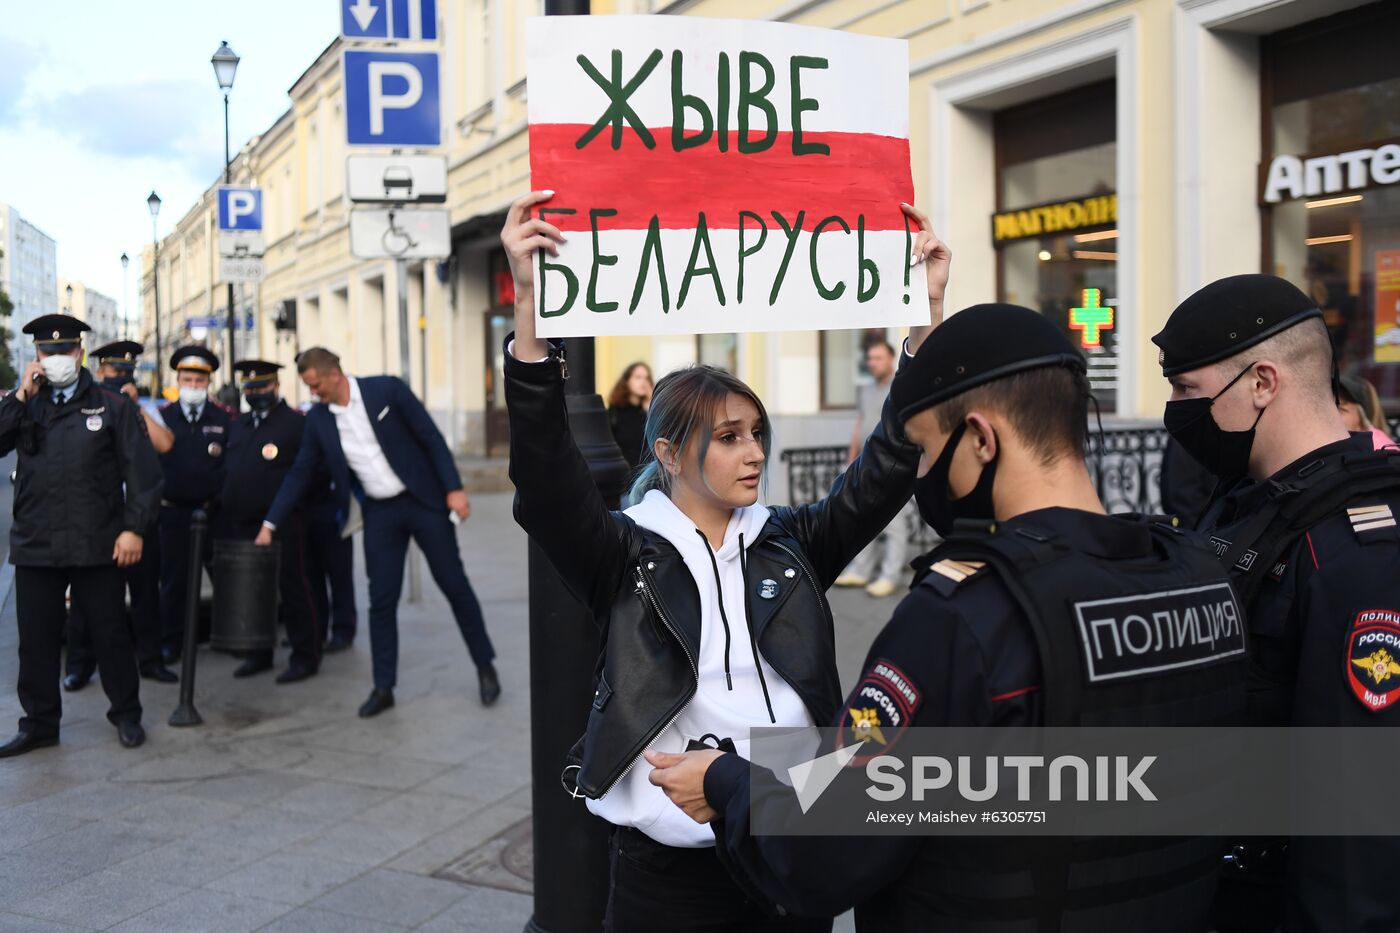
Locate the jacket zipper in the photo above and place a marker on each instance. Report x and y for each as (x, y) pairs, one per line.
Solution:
(645, 586)
(802, 567)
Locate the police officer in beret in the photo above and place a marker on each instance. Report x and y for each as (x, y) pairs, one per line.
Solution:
(262, 447)
(1304, 517)
(194, 476)
(997, 399)
(87, 489)
(116, 367)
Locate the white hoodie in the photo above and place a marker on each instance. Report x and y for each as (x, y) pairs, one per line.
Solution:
(716, 708)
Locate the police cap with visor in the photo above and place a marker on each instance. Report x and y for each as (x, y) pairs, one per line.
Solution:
(56, 333)
(256, 373)
(1227, 317)
(120, 353)
(195, 359)
(979, 345)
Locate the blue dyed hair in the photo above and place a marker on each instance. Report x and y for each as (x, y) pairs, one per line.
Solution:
(683, 408)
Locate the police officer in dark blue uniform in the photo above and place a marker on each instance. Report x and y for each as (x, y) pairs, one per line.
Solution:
(1304, 517)
(194, 476)
(87, 488)
(988, 636)
(116, 366)
(262, 447)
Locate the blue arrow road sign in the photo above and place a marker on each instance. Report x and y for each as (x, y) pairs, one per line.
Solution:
(391, 98)
(389, 19)
(240, 209)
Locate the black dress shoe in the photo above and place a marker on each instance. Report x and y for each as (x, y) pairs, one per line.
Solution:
(170, 655)
(378, 702)
(253, 666)
(490, 685)
(26, 742)
(337, 643)
(76, 681)
(130, 734)
(295, 672)
(154, 670)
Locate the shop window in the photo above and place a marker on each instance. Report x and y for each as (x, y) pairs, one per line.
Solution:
(720, 350)
(1055, 229)
(1330, 181)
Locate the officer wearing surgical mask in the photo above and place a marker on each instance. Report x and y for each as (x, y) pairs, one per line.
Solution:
(263, 445)
(1304, 517)
(997, 400)
(86, 491)
(194, 477)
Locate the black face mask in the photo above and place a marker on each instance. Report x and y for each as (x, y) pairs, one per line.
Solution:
(261, 401)
(937, 506)
(1223, 453)
(115, 383)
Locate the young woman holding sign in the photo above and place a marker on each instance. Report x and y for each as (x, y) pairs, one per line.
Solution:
(712, 605)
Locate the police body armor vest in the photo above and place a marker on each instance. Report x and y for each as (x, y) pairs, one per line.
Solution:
(1149, 641)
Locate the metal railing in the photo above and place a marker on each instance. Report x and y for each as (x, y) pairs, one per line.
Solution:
(1128, 473)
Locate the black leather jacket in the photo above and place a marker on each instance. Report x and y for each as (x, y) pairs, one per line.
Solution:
(643, 596)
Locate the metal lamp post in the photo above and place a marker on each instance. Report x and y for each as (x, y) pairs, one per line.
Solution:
(225, 62)
(126, 261)
(153, 202)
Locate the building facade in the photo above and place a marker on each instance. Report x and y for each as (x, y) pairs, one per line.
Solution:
(99, 311)
(29, 275)
(1096, 160)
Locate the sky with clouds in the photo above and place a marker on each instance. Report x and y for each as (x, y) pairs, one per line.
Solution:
(102, 101)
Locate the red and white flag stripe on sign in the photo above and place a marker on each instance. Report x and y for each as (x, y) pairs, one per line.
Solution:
(787, 133)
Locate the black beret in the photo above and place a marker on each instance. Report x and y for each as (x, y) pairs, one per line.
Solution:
(56, 330)
(254, 371)
(1227, 316)
(977, 346)
(198, 359)
(119, 353)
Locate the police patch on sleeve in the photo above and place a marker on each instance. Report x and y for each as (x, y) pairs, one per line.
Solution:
(1373, 650)
(1133, 636)
(878, 711)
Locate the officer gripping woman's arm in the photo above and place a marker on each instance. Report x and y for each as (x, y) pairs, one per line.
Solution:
(1002, 427)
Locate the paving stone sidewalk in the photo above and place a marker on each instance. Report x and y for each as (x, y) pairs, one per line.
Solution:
(284, 811)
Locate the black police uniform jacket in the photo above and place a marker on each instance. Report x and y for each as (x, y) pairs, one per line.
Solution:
(963, 649)
(1324, 627)
(194, 465)
(255, 463)
(86, 473)
(642, 595)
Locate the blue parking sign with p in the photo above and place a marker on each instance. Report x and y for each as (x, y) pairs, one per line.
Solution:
(391, 98)
(240, 209)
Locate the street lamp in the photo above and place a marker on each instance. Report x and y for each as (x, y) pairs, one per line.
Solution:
(225, 62)
(126, 261)
(153, 202)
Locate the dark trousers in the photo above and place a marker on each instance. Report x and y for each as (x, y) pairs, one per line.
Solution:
(295, 608)
(97, 594)
(143, 583)
(389, 524)
(330, 564)
(175, 572)
(656, 886)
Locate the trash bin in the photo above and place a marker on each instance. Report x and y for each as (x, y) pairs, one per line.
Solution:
(245, 596)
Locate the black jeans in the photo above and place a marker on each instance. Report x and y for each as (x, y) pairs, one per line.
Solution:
(97, 594)
(143, 582)
(658, 887)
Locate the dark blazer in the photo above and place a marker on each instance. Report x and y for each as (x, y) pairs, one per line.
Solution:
(411, 442)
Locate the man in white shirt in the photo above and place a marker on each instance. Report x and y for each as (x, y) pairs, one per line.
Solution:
(377, 441)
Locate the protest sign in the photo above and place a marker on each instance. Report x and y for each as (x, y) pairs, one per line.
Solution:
(720, 175)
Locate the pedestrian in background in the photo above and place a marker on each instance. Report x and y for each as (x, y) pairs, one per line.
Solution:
(1360, 405)
(87, 489)
(376, 438)
(194, 476)
(627, 411)
(890, 550)
(116, 366)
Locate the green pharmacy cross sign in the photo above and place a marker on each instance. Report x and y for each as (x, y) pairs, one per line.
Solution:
(1091, 318)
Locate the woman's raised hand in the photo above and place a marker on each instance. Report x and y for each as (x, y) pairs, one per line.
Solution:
(936, 258)
(521, 236)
